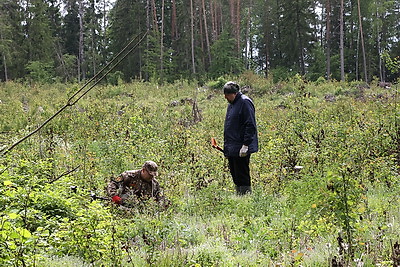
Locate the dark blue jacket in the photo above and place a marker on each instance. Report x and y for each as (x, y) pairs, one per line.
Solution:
(240, 126)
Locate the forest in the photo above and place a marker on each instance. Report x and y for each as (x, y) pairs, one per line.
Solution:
(70, 41)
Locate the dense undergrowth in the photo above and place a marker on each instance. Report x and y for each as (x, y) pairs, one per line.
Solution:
(342, 206)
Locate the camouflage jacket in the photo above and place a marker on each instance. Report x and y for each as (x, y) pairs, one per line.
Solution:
(129, 183)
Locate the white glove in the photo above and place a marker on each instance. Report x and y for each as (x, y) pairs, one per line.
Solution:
(243, 151)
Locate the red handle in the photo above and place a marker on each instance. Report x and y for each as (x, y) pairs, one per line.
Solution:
(214, 144)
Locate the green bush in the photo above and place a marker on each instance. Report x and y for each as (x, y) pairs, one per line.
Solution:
(40, 72)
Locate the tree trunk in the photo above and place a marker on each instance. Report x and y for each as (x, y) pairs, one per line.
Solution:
(328, 40)
(238, 26)
(353, 38)
(220, 25)
(362, 43)
(200, 30)
(5, 68)
(216, 16)
(4, 61)
(378, 41)
(248, 38)
(104, 39)
(357, 54)
(341, 46)
(266, 35)
(147, 39)
(206, 32)
(81, 71)
(300, 40)
(278, 32)
(213, 22)
(232, 12)
(153, 7)
(93, 22)
(162, 43)
(174, 32)
(192, 35)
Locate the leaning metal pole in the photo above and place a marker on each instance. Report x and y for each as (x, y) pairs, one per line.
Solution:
(75, 98)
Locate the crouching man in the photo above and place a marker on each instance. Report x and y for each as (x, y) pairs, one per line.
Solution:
(137, 185)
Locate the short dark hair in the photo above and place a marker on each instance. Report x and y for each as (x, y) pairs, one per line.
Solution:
(231, 88)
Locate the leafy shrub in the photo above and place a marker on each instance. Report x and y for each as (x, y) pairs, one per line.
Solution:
(115, 78)
(281, 74)
(320, 80)
(218, 84)
(41, 72)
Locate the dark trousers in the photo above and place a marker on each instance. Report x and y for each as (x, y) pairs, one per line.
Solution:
(240, 170)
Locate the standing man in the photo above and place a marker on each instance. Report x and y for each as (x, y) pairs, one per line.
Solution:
(240, 136)
(134, 185)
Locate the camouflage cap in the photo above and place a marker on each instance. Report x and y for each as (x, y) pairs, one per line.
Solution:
(151, 167)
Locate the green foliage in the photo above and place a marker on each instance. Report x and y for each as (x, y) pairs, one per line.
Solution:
(89, 236)
(157, 70)
(347, 186)
(393, 65)
(115, 78)
(224, 57)
(317, 67)
(281, 74)
(218, 84)
(41, 72)
(68, 70)
(320, 80)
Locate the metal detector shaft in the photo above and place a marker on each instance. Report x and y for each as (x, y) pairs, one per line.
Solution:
(95, 197)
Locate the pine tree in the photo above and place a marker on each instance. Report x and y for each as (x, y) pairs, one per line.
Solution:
(70, 31)
(127, 20)
(225, 60)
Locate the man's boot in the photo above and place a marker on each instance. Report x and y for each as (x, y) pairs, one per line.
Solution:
(242, 190)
